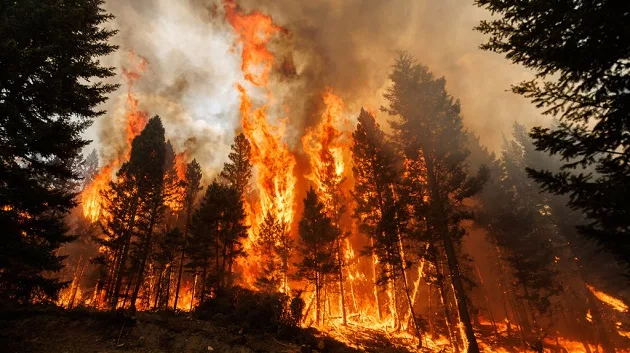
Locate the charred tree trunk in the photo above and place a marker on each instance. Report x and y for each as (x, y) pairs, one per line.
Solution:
(192, 296)
(341, 291)
(444, 299)
(158, 290)
(414, 319)
(374, 280)
(145, 254)
(125, 254)
(181, 259)
(442, 227)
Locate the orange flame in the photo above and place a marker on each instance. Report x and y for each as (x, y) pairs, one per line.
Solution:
(136, 120)
(273, 162)
(611, 301)
(325, 146)
(254, 31)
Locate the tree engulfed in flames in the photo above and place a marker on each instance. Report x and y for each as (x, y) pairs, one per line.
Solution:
(274, 164)
(326, 146)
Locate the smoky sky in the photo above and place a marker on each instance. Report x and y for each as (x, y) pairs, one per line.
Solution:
(347, 45)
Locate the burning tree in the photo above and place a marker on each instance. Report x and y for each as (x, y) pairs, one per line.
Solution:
(238, 172)
(274, 247)
(380, 213)
(316, 247)
(133, 206)
(429, 129)
(218, 229)
(191, 190)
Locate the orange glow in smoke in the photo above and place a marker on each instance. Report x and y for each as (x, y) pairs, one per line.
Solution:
(136, 119)
(254, 31)
(273, 162)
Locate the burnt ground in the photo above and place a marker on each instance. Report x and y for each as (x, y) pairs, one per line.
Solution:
(51, 329)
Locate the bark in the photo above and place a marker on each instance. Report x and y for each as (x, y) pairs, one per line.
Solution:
(125, 254)
(441, 225)
(181, 259)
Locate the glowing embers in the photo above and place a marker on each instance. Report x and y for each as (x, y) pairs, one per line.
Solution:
(611, 301)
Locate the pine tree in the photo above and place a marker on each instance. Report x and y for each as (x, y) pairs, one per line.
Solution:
(316, 247)
(218, 227)
(524, 230)
(582, 79)
(147, 162)
(192, 188)
(269, 237)
(50, 86)
(134, 205)
(238, 172)
(378, 213)
(430, 130)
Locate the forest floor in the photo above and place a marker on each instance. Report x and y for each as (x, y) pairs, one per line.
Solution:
(52, 329)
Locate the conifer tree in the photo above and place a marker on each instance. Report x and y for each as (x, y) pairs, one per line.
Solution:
(429, 129)
(238, 171)
(269, 237)
(316, 247)
(147, 161)
(218, 228)
(582, 79)
(380, 216)
(50, 85)
(524, 230)
(192, 188)
(134, 205)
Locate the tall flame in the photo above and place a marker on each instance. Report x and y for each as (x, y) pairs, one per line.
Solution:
(136, 119)
(326, 146)
(255, 30)
(273, 162)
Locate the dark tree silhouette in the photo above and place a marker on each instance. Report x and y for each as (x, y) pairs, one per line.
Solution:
(50, 85)
(218, 227)
(133, 205)
(192, 188)
(238, 171)
(317, 236)
(380, 214)
(430, 131)
(580, 53)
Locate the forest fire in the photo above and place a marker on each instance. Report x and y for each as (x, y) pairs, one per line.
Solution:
(136, 119)
(613, 302)
(401, 231)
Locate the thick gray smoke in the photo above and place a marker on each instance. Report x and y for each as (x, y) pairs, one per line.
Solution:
(345, 45)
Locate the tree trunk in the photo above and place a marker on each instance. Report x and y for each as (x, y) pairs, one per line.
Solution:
(181, 260)
(341, 291)
(157, 290)
(145, 254)
(125, 253)
(374, 258)
(441, 225)
(192, 296)
(414, 319)
(452, 337)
